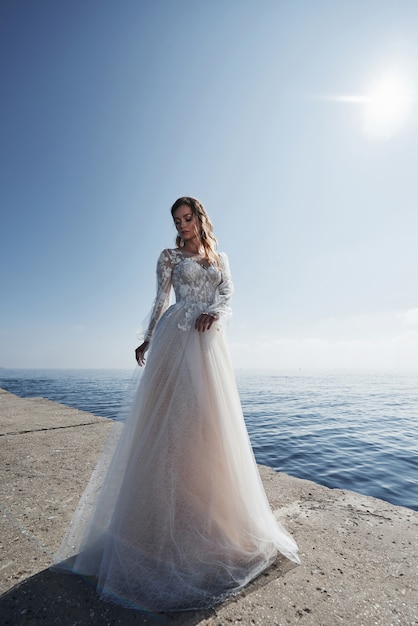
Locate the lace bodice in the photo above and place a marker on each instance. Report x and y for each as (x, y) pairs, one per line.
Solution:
(198, 286)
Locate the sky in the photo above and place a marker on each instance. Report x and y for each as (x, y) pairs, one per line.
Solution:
(294, 122)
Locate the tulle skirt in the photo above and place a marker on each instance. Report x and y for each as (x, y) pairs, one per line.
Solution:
(175, 515)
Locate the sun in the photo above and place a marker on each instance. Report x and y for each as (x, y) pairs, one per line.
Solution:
(384, 108)
(387, 106)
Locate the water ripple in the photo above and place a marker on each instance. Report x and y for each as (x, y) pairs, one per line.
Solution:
(348, 431)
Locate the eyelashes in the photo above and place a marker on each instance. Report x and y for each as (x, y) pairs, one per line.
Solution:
(188, 219)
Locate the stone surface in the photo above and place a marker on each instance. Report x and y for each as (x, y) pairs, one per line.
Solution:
(359, 554)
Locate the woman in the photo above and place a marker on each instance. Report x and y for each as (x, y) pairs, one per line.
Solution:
(180, 519)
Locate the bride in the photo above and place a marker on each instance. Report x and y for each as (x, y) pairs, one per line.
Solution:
(179, 519)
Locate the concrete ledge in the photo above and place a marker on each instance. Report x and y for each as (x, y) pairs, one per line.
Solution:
(359, 554)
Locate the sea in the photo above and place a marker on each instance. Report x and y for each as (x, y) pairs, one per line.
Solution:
(348, 430)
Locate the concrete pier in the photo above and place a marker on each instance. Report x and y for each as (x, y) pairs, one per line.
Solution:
(359, 554)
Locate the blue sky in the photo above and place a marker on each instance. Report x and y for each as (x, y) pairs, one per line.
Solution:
(295, 123)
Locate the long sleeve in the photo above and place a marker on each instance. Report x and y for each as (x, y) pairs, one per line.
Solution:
(222, 303)
(162, 300)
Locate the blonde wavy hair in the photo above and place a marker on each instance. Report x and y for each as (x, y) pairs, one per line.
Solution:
(207, 239)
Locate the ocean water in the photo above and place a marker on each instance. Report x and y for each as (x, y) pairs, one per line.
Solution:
(356, 431)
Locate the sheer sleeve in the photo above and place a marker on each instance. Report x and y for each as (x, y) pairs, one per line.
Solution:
(162, 299)
(222, 303)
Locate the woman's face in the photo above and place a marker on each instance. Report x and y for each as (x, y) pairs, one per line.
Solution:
(186, 222)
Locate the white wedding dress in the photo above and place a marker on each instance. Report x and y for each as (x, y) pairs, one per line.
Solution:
(178, 518)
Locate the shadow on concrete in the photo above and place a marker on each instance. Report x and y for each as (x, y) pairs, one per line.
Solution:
(55, 597)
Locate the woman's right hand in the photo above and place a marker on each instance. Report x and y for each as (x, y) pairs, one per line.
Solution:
(140, 352)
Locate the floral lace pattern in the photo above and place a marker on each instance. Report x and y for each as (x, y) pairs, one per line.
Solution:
(199, 287)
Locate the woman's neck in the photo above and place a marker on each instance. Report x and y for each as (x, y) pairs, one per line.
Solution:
(193, 247)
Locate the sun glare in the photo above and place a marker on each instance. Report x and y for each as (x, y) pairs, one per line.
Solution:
(387, 107)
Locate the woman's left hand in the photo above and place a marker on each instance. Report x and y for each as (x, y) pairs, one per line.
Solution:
(205, 321)
(140, 351)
